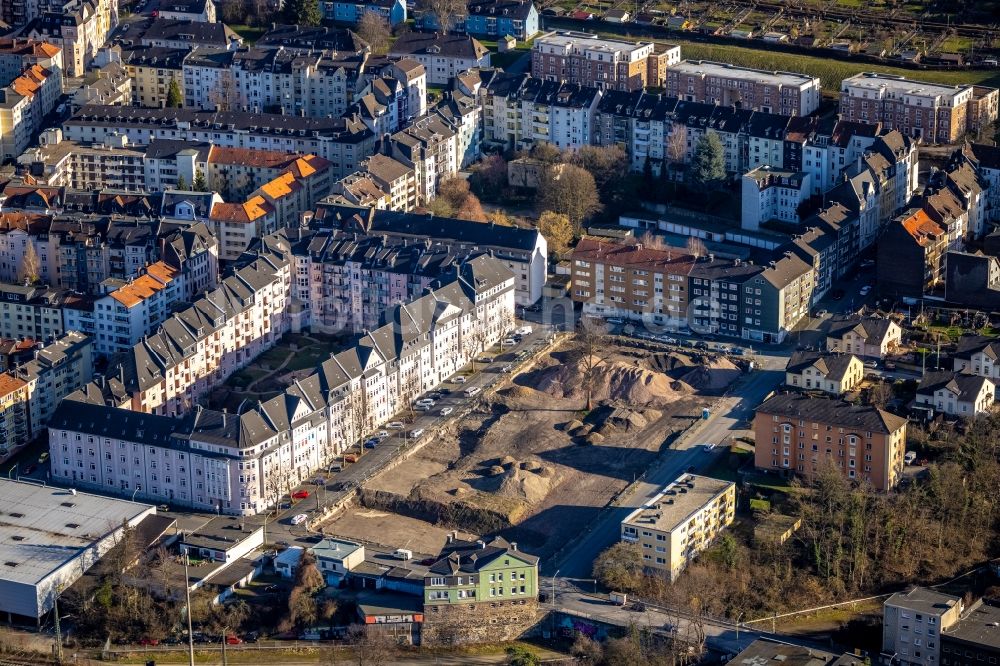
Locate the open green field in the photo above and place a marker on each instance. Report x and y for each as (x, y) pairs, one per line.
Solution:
(831, 72)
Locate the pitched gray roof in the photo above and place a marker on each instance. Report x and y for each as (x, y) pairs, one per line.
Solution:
(832, 411)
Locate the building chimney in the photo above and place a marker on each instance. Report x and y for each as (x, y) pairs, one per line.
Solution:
(481, 544)
(513, 545)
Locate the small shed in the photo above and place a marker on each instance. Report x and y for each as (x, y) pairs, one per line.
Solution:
(506, 43)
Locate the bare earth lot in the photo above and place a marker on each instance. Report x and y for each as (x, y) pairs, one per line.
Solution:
(532, 459)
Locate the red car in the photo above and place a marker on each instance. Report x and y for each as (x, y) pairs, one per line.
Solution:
(302, 494)
(233, 640)
(149, 641)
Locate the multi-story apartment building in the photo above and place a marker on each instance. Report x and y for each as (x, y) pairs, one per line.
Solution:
(443, 55)
(23, 105)
(680, 521)
(312, 38)
(152, 70)
(108, 164)
(785, 93)
(770, 194)
(79, 28)
(831, 373)
(609, 64)
(911, 252)
(798, 434)
(836, 145)
(523, 251)
(351, 11)
(430, 147)
(208, 79)
(242, 463)
(628, 280)
(396, 179)
(986, 161)
(913, 623)
(498, 18)
(57, 370)
(18, 54)
(933, 112)
(520, 111)
(30, 312)
(15, 430)
(715, 287)
(345, 142)
(136, 309)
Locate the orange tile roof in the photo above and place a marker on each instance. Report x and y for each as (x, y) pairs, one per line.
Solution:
(253, 209)
(922, 227)
(281, 186)
(162, 272)
(136, 291)
(30, 81)
(9, 384)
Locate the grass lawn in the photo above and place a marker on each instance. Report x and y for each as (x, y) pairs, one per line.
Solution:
(245, 377)
(831, 72)
(310, 357)
(249, 33)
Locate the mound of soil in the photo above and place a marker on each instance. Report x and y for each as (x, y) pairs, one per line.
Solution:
(524, 485)
(612, 380)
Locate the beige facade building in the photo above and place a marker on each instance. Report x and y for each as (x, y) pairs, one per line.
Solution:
(681, 521)
(832, 373)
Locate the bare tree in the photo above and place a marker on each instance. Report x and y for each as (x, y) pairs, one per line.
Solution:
(409, 389)
(375, 29)
(359, 416)
(879, 395)
(652, 241)
(677, 145)
(696, 247)
(226, 97)
(592, 351)
(274, 483)
(447, 12)
(569, 190)
(31, 265)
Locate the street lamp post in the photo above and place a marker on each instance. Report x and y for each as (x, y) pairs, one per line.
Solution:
(187, 594)
(738, 619)
(554, 587)
(137, 489)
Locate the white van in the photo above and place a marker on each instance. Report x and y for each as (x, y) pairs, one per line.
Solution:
(524, 330)
(471, 391)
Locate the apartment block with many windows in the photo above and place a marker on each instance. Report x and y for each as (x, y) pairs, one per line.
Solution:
(785, 93)
(797, 434)
(680, 522)
(913, 623)
(609, 64)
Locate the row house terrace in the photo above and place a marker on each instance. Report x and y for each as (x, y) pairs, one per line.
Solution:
(243, 463)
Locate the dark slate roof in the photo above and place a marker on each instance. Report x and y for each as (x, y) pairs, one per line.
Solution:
(470, 556)
(965, 386)
(973, 344)
(310, 38)
(104, 421)
(872, 329)
(514, 9)
(767, 125)
(343, 129)
(177, 30)
(154, 56)
(987, 156)
(556, 93)
(832, 411)
(207, 56)
(445, 228)
(168, 148)
(833, 366)
(445, 46)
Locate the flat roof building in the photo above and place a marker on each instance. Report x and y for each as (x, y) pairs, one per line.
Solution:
(50, 536)
(785, 93)
(912, 623)
(680, 521)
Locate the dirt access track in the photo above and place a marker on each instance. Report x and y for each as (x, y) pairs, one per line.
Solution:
(529, 461)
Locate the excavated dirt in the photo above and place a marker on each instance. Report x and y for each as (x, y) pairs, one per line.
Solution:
(533, 463)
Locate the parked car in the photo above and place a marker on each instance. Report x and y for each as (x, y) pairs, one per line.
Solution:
(668, 340)
(251, 636)
(42, 458)
(865, 290)
(350, 458)
(395, 425)
(426, 401)
(615, 320)
(149, 641)
(299, 519)
(371, 443)
(461, 379)
(485, 359)
(416, 433)
(837, 294)
(232, 639)
(381, 434)
(300, 494)
(445, 411)
(910, 457)
(507, 368)
(471, 391)
(508, 342)
(422, 407)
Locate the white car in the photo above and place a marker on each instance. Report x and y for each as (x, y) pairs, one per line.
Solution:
(445, 411)
(425, 401)
(910, 457)
(461, 379)
(299, 519)
(415, 434)
(395, 425)
(509, 342)
(865, 290)
(485, 359)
